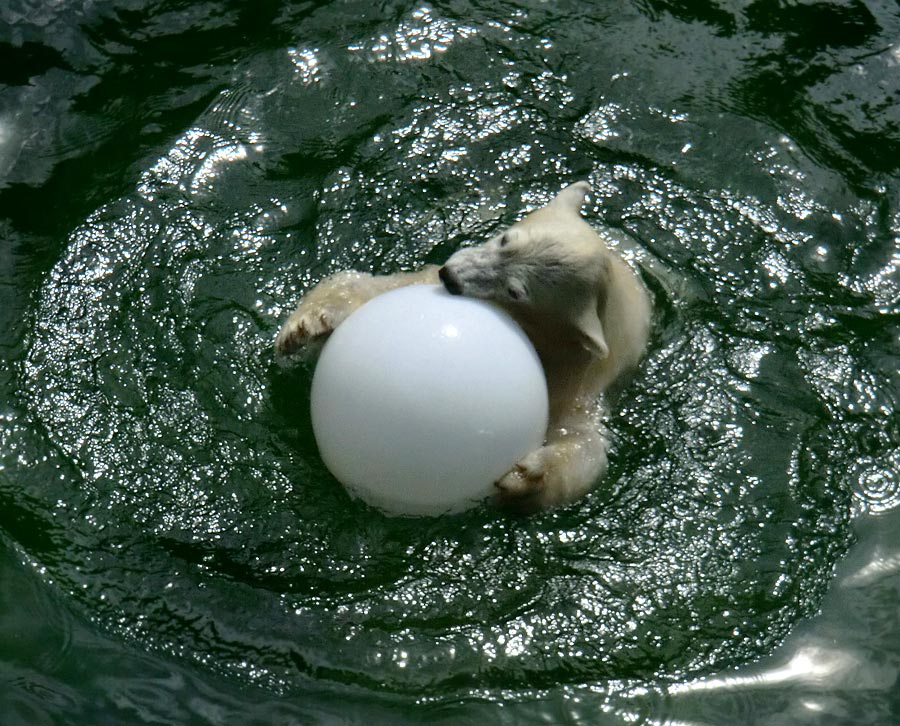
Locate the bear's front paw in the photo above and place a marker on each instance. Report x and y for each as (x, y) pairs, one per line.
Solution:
(304, 332)
(320, 311)
(523, 487)
(555, 474)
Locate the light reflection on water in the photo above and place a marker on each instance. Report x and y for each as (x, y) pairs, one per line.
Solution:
(812, 676)
(416, 39)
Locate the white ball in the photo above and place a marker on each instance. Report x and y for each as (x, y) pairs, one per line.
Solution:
(421, 400)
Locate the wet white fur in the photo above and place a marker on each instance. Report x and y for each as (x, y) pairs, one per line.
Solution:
(583, 307)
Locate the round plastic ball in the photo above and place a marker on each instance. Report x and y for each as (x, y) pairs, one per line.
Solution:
(421, 400)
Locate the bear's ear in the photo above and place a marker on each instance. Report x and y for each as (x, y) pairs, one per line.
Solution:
(589, 321)
(590, 332)
(572, 197)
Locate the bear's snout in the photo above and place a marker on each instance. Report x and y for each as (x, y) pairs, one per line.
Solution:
(451, 281)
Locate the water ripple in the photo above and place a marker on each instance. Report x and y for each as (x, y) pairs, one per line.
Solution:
(203, 524)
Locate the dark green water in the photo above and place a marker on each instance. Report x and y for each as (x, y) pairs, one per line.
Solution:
(174, 175)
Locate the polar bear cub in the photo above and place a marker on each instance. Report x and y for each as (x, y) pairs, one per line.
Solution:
(584, 309)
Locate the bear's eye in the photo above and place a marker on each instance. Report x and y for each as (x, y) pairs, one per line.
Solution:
(504, 239)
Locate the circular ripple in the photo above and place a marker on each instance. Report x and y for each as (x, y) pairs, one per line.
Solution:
(878, 488)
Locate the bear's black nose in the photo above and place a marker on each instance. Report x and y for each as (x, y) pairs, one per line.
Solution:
(451, 282)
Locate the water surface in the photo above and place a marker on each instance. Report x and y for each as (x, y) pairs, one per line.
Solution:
(173, 178)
